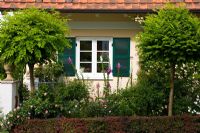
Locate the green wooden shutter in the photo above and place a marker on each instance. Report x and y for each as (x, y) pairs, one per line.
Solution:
(121, 54)
(69, 52)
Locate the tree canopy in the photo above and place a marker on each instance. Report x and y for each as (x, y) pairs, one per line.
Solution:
(32, 36)
(172, 36)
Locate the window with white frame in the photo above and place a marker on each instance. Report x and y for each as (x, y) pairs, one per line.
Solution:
(94, 55)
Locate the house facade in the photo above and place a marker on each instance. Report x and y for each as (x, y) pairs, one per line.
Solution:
(102, 35)
(101, 41)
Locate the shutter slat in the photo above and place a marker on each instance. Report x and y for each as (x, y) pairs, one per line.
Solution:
(121, 54)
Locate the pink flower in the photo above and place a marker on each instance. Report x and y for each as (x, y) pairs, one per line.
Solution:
(98, 85)
(118, 65)
(109, 71)
(69, 61)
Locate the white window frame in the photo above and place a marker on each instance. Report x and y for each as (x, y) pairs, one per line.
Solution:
(93, 74)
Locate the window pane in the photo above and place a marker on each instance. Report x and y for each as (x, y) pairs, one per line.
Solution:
(85, 45)
(100, 67)
(103, 45)
(87, 67)
(104, 55)
(85, 56)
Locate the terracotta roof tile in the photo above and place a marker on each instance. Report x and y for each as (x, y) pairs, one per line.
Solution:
(115, 5)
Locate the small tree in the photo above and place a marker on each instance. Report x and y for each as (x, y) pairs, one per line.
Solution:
(170, 36)
(32, 36)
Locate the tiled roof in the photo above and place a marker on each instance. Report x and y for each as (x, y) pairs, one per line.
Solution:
(96, 5)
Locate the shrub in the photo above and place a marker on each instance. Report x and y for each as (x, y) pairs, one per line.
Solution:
(2, 128)
(146, 98)
(49, 72)
(186, 95)
(23, 93)
(178, 124)
(149, 96)
(97, 108)
(73, 90)
(47, 102)
(71, 98)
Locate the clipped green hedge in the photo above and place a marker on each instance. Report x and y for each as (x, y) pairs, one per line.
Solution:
(177, 124)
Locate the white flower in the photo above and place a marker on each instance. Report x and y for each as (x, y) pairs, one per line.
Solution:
(109, 111)
(69, 112)
(18, 107)
(31, 106)
(18, 116)
(45, 94)
(1, 124)
(76, 106)
(8, 122)
(46, 111)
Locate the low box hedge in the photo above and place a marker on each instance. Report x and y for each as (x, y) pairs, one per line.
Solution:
(176, 124)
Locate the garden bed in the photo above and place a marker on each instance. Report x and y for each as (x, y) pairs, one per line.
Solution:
(177, 124)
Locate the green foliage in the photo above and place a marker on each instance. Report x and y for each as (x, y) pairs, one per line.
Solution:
(171, 35)
(71, 98)
(50, 102)
(23, 93)
(2, 72)
(1, 122)
(186, 94)
(74, 90)
(49, 72)
(95, 109)
(31, 36)
(146, 98)
(2, 128)
(149, 95)
(18, 72)
(187, 90)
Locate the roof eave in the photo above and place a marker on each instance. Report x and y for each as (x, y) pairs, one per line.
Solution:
(138, 11)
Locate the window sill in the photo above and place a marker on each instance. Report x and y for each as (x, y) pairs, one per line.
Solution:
(97, 76)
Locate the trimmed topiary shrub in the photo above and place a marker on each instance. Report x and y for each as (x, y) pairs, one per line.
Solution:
(177, 124)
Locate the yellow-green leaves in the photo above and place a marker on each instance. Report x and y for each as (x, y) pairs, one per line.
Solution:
(32, 35)
(170, 35)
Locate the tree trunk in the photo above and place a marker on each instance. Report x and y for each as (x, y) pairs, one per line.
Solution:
(32, 85)
(171, 94)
